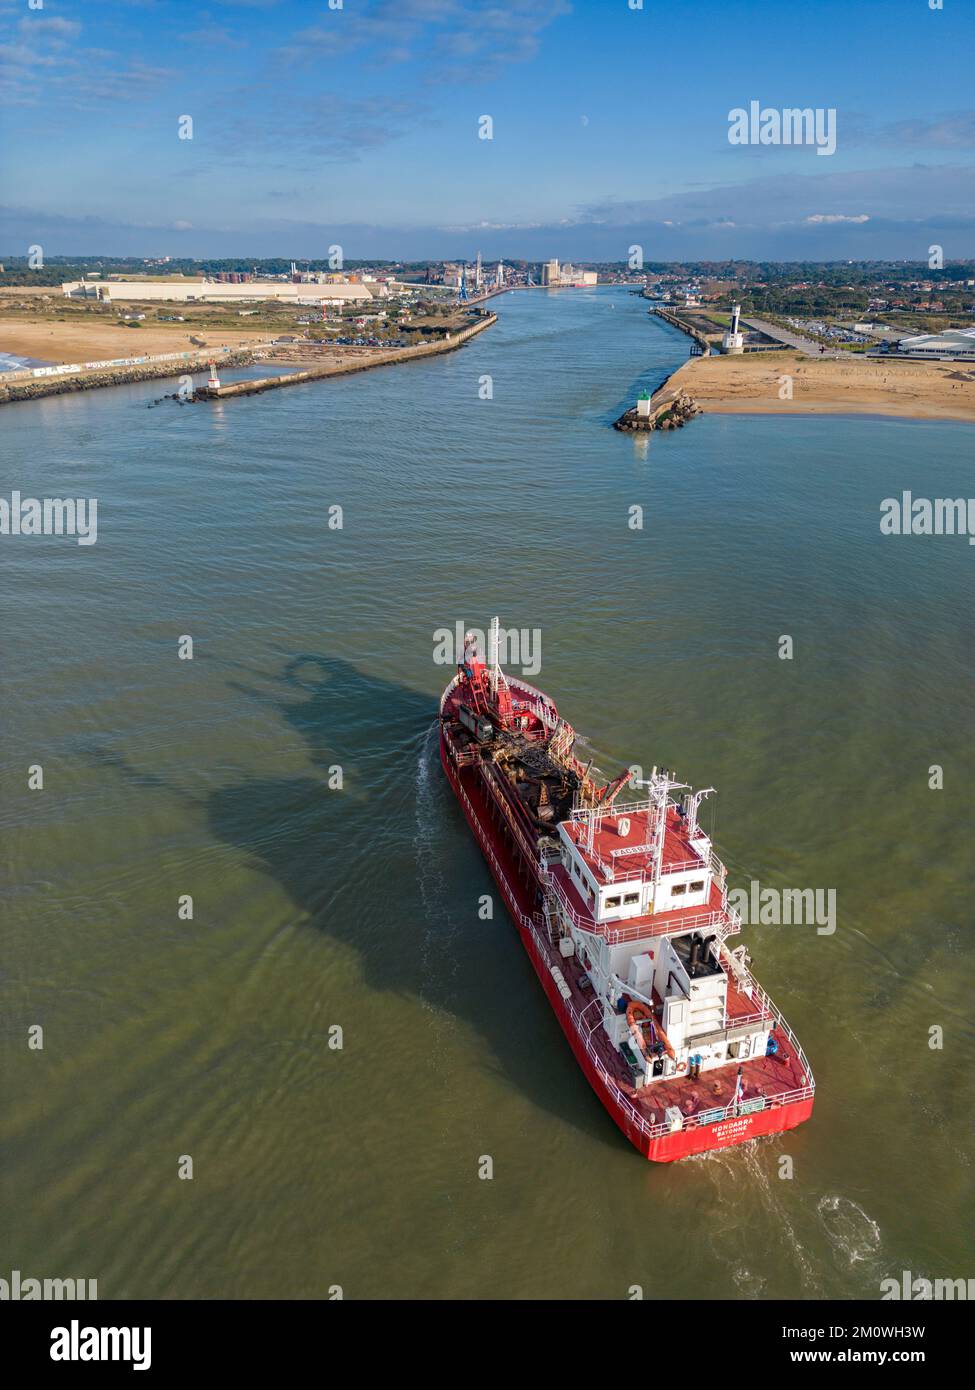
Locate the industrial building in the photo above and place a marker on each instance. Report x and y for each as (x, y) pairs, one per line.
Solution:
(185, 291)
(953, 345)
(566, 275)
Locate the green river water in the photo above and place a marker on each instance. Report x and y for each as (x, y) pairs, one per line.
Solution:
(316, 1167)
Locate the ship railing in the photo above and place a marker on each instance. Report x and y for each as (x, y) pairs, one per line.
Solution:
(768, 1011)
(780, 1023)
(552, 922)
(539, 695)
(741, 973)
(463, 757)
(667, 922)
(540, 710)
(732, 921)
(585, 922)
(743, 977)
(614, 875)
(747, 1020)
(626, 875)
(722, 919)
(534, 735)
(734, 1109)
(447, 691)
(618, 808)
(594, 1003)
(683, 866)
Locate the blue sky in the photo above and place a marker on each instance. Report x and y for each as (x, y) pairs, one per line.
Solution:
(359, 125)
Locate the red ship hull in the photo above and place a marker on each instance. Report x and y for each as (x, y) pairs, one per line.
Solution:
(517, 886)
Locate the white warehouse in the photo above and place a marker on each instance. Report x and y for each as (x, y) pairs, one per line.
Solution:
(222, 291)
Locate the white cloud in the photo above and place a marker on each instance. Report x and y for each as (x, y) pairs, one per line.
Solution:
(51, 26)
(825, 217)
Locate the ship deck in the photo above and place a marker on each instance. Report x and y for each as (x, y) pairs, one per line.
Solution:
(607, 841)
(650, 924)
(766, 1077)
(761, 1076)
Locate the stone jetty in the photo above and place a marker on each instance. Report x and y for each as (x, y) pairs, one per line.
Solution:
(667, 410)
(36, 387)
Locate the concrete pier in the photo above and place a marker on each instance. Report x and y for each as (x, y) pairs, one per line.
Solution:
(378, 359)
(24, 386)
(676, 321)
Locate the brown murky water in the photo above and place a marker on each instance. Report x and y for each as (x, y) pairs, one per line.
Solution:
(314, 907)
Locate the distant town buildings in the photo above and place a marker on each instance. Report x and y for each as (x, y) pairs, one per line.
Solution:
(554, 274)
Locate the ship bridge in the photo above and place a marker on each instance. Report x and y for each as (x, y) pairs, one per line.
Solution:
(642, 895)
(639, 860)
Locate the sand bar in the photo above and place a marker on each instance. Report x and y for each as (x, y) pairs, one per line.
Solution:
(751, 384)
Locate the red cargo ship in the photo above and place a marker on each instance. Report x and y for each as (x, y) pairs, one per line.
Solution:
(622, 906)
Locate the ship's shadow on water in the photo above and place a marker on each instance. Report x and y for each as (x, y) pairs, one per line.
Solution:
(388, 866)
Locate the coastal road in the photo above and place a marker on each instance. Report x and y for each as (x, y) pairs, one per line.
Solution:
(794, 340)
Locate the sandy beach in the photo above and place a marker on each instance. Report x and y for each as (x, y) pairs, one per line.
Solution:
(751, 384)
(305, 361)
(87, 342)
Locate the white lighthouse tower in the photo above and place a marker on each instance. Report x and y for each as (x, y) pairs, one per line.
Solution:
(733, 341)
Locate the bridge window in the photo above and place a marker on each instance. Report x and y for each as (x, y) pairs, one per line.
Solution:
(696, 887)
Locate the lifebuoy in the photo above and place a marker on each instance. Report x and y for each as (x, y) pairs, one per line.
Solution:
(681, 1066)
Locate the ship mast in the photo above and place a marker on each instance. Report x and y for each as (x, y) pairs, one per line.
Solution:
(695, 805)
(498, 686)
(659, 786)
